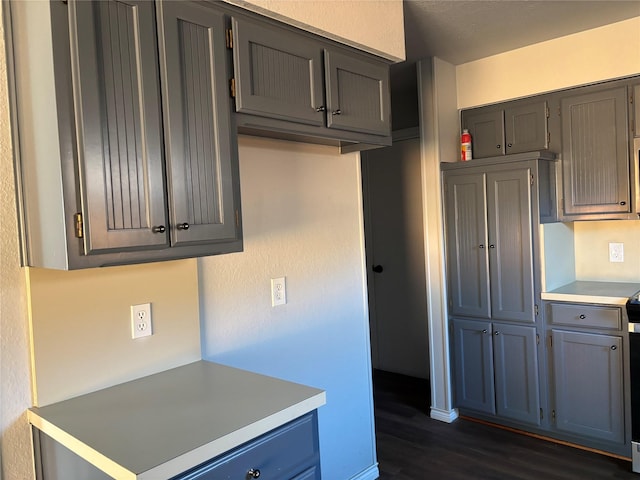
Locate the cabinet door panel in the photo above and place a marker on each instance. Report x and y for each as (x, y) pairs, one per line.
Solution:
(595, 153)
(516, 372)
(588, 381)
(199, 136)
(115, 71)
(526, 128)
(487, 132)
(636, 115)
(357, 94)
(278, 74)
(510, 245)
(467, 245)
(473, 363)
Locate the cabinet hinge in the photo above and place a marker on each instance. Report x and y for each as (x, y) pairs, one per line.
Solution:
(537, 339)
(547, 111)
(553, 415)
(237, 218)
(541, 414)
(550, 341)
(79, 225)
(536, 310)
(232, 87)
(548, 138)
(532, 179)
(229, 36)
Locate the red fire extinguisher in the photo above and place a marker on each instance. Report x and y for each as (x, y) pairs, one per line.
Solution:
(465, 143)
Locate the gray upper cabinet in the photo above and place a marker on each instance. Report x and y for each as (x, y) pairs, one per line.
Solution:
(200, 143)
(636, 111)
(119, 124)
(290, 82)
(276, 76)
(357, 94)
(489, 240)
(588, 385)
(595, 153)
(511, 128)
(139, 159)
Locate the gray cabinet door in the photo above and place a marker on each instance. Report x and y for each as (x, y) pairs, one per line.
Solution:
(588, 379)
(357, 92)
(516, 372)
(473, 365)
(201, 159)
(278, 73)
(636, 109)
(526, 127)
(487, 132)
(510, 245)
(466, 223)
(118, 118)
(595, 153)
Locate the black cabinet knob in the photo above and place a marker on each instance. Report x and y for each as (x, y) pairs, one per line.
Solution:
(183, 226)
(159, 229)
(337, 112)
(583, 316)
(613, 347)
(498, 146)
(253, 473)
(623, 203)
(509, 145)
(320, 108)
(492, 246)
(377, 268)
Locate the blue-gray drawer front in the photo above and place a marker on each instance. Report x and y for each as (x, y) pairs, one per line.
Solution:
(281, 454)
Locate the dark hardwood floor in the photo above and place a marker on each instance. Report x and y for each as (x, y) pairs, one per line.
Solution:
(412, 446)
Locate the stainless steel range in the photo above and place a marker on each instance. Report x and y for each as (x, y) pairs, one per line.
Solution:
(633, 312)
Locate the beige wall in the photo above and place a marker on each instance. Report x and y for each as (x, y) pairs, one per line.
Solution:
(373, 25)
(592, 250)
(81, 331)
(603, 53)
(15, 394)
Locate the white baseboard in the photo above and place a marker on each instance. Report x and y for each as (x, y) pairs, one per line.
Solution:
(370, 473)
(448, 416)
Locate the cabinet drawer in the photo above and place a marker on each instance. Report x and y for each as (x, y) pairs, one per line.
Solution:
(281, 454)
(588, 316)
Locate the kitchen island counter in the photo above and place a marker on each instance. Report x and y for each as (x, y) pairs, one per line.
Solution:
(159, 426)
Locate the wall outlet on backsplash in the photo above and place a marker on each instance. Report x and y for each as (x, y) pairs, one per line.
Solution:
(616, 252)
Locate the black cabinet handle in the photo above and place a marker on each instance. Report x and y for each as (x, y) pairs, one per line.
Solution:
(480, 246)
(613, 347)
(320, 108)
(484, 331)
(509, 145)
(498, 146)
(183, 226)
(253, 473)
(377, 268)
(496, 333)
(337, 112)
(623, 203)
(582, 317)
(492, 246)
(159, 229)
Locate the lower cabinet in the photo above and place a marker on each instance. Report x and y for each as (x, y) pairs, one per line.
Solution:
(496, 369)
(290, 452)
(588, 384)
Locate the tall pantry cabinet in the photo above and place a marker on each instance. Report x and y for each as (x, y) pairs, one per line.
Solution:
(492, 211)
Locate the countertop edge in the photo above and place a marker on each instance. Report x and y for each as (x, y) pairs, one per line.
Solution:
(574, 297)
(187, 460)
(228, 442)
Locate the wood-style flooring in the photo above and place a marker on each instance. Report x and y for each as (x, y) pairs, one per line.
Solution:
(412, 446)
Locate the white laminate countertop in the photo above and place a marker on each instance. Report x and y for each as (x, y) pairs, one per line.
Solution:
(609, 293)
(185, 416)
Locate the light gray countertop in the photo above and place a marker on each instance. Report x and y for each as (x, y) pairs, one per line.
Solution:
(609, 293)
(183, 417)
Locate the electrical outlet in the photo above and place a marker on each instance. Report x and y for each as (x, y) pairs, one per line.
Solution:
(616, 252)
(278, 291)
(141, 320)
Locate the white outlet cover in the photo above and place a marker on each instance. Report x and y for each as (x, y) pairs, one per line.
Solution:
(616, 252)
(278, 291)
(141, 325)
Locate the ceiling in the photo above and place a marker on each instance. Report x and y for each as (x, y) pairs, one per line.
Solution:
(459, 31)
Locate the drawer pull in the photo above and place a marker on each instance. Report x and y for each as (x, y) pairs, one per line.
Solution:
(582, 316)
(613, 347)
(253, 473)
